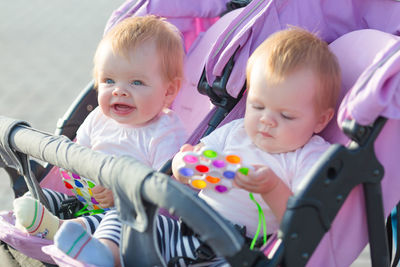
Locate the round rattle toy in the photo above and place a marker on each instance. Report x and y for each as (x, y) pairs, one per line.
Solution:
(210, 169)
(82, 188)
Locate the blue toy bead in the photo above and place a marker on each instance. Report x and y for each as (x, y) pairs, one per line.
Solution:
(78, 184)
(229, 174)
(81, 198)
(186, 172)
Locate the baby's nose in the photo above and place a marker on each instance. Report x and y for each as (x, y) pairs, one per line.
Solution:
(268, 119)
(118, 91)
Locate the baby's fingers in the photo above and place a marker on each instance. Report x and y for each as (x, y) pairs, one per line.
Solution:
(251, 187)
(246, 180)
(98, 189)
(186, 147)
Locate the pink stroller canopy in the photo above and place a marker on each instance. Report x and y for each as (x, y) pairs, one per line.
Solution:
(370, 61)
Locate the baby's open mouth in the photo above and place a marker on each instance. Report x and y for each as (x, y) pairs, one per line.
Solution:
(122, 108)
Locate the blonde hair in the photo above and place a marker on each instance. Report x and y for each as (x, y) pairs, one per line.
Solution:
(131, 32)
(292, 49)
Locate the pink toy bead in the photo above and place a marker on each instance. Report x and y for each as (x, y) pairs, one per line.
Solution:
(190, 159)
(65, 175)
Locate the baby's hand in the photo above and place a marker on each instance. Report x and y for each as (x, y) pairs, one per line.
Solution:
(104, 196)
(177, 161)
(261, 180)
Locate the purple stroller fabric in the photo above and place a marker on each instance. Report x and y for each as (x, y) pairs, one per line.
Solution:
(61, 259)
(190, 17)
(26, 244)
(244, 29)
(260, 18)
(175, 9)
(192, 114)
(370, 63)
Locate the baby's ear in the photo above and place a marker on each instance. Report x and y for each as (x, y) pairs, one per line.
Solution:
(323, 119)
(172, 90)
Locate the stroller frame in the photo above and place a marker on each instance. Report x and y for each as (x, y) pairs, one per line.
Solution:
(297, 240)
(328, 187)
(293, 250)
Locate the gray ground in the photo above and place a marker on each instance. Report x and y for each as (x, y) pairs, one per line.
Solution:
(46, 50)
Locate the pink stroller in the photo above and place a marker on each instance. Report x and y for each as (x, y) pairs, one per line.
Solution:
(331, 197)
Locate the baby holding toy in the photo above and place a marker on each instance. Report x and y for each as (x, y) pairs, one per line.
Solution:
(138, 70)
(293, 85)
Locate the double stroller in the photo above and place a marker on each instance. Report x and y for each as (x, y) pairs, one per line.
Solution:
(350, 191)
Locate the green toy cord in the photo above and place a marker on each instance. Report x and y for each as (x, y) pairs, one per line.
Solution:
(261, 221)
(85, 211)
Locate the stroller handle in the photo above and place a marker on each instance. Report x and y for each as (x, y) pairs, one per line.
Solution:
(154, 188)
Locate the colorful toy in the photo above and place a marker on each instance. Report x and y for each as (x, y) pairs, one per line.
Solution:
(82, 189)
(210, 169)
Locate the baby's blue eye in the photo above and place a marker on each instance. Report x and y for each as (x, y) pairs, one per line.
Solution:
(137, 82)
(109, 81)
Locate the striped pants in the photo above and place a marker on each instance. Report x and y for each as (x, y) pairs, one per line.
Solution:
(56, 198)
(171, 242)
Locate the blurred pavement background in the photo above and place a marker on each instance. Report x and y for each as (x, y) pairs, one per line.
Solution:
(46, 50)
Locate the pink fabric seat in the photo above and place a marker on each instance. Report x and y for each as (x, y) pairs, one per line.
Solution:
(360, 53)
(242, 31)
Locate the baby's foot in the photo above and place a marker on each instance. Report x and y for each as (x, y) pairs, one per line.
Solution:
(34, 218)
(79, 244)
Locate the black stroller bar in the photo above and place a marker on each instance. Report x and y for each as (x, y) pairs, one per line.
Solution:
(308, 217)
(218, 94)
(128, 178)
(310, 212)
(18, 163)
(77, 112)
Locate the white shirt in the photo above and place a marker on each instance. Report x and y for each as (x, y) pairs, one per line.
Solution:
(291, 167)
(152, 144)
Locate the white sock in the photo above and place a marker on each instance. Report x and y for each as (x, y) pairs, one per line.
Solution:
(32, 217)
(73, 239)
